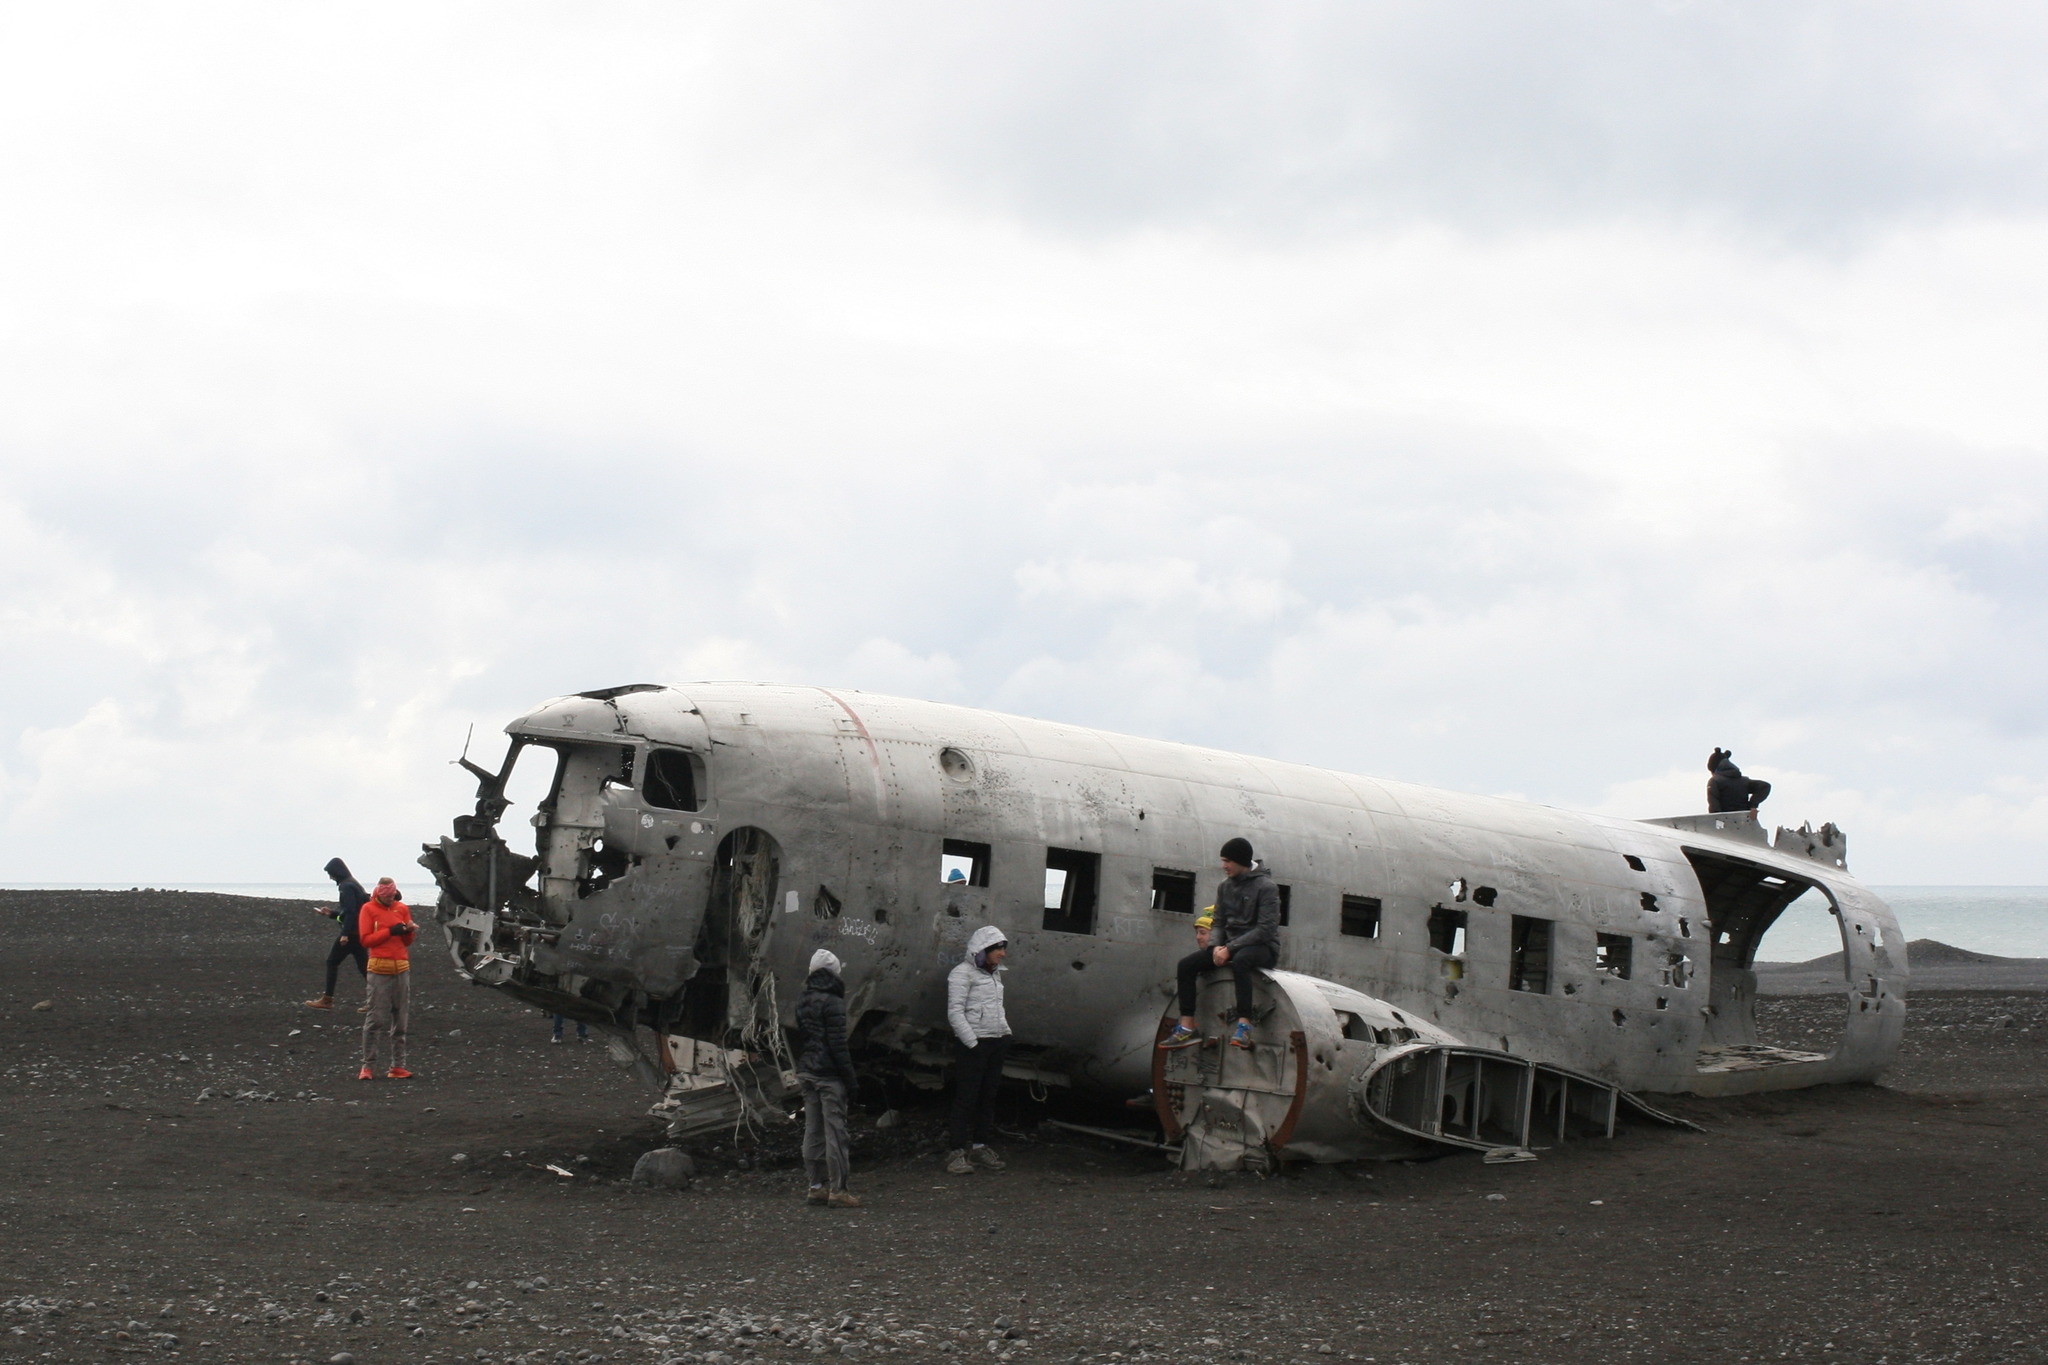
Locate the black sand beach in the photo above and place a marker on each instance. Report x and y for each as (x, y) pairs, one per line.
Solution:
(195, 1174)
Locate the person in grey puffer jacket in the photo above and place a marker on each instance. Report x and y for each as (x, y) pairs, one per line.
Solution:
(974, 1009)
(824, 1072)
(1246, 938)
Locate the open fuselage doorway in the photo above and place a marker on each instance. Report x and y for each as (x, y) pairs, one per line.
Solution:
(724, 1003)
(1746, 904)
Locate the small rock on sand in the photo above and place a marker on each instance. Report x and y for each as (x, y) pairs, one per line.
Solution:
(44, 1005)
(667, 1168)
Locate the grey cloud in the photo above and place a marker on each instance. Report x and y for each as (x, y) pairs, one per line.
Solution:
(1809, 123)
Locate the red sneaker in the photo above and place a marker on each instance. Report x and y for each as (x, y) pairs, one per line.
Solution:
(366, 1075)
(398, 1073)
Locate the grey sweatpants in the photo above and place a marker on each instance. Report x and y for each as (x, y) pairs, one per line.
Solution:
(826, 1149)
(390, 1010)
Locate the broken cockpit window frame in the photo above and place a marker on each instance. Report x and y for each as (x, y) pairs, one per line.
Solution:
(672, 779)
(528, 780)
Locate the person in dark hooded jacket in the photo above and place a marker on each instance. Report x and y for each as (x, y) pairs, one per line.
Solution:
(1728, 790)
(824, 1071)
(1245, 938)
(349, 898)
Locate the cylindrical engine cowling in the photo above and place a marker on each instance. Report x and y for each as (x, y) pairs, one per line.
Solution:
(1291, 1093)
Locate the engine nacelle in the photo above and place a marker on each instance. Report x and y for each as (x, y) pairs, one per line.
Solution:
(1333, 1074)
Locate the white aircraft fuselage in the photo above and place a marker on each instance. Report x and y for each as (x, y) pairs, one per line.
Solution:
(699, 842)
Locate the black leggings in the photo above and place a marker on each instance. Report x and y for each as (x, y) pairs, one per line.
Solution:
(977, 1073)
(1243, 962)
(343, 950)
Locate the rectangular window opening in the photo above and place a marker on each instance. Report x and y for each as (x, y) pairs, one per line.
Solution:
(1360, 917)
(1172, 891)
(1070, 881)
(1529, 968)
(962, 863)
(1447, 930)
(670, 780)
(1286, 900)
(1612, 954)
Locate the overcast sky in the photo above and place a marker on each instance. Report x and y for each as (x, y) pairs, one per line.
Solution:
(1513, 398)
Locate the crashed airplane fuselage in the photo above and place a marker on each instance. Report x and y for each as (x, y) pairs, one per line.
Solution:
(1458, 968)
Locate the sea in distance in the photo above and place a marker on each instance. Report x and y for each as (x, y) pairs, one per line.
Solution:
(2005, 921)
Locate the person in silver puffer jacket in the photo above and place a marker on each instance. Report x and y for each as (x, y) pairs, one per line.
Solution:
(974, 1009)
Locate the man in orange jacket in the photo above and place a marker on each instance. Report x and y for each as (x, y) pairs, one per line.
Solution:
(386, 933)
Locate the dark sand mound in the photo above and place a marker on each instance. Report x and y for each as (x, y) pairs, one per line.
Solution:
(1921, 952)
(1933, 965)
(193, 1174)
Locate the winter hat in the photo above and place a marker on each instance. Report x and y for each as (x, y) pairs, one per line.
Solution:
(1239, 851)
(1207, 919)
(824, 961)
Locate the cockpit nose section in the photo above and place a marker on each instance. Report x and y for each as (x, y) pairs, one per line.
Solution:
(616, 789)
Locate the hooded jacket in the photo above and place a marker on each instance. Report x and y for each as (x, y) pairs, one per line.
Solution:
(1728, 789)
(377, 922)
(348, 902)
(1247, 910)
(821, 1029)
(974, 993)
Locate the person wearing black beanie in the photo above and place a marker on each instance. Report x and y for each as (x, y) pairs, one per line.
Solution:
(1245, 938)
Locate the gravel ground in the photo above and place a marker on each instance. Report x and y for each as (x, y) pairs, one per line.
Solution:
(194, 1174)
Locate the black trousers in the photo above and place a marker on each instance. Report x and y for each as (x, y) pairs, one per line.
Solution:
(977, 1071)
(1243, 962)
(341, 952)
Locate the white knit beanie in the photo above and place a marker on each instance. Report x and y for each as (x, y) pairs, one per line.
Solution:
(824, 961)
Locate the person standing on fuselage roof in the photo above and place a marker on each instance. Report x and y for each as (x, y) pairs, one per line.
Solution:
(1245, 938)
(974, 1007)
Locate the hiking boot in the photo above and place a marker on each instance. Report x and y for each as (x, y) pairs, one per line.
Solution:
(366, 1075)
(1182, 1036)
(840, 1199)
(1241, 1036)
(816, 1196)
(984, 1156)
(320, 1002)
(398, 1073)
(556, 1039)
(958, 1164)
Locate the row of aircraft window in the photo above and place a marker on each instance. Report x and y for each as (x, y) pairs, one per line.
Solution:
(1072, 876)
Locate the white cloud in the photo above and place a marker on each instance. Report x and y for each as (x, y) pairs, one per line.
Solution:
(1522, 408)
